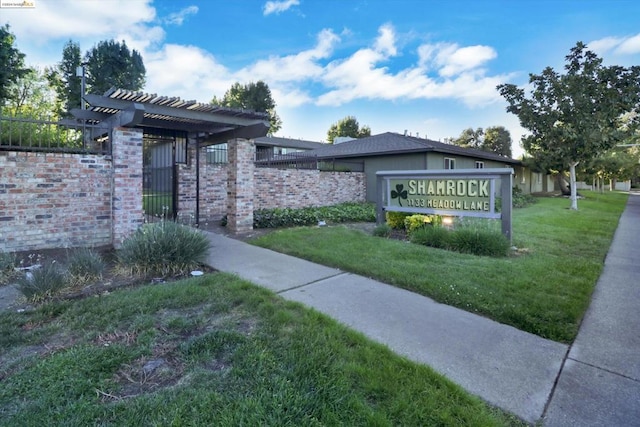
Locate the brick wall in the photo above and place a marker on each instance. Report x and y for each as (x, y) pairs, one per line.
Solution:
(240, 188)
(294, 188)
(213, 188)
(52, 200)
(299, 188)
(127, 183)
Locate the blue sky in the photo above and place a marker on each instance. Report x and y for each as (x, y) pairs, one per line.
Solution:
(426, 66)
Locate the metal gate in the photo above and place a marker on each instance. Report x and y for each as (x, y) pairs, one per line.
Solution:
(162, 151)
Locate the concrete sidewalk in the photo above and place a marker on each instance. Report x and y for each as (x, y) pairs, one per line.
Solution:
(600, 381)
(509, 368)
(514, 370)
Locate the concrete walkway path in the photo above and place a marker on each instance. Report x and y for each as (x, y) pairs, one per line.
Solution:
(595, 382)
(509, 368)
(600, 381)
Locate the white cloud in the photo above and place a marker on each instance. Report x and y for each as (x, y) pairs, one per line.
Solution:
(178, 18)
(41, 32)
(64, 19)
(460, 75)
(450, 59)
(629, 45)
(604, 45)
(291, 68)
(279, 6)
(187, 71)
(385, 43)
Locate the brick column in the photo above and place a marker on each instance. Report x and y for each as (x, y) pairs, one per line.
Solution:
(127, 183)
(240, 185)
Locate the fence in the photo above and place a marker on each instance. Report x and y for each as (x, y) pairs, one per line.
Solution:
(30, 134)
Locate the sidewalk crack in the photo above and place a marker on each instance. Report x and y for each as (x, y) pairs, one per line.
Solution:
(340, 273)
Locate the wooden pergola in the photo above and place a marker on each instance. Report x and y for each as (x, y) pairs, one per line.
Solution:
(205, 124)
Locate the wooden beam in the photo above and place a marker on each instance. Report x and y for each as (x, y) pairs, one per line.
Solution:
(248, 132)
(119, 104)
(130, 117)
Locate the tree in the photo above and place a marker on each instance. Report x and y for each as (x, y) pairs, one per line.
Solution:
(63, 79)
(252, 96)
(469, 138)
(31, 96)
(497, 140)
(348, 126)
(112, 64)
(574, 117)
(12, 61)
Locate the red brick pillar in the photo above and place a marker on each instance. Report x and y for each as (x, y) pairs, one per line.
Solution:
(240, 185)
(127, 211)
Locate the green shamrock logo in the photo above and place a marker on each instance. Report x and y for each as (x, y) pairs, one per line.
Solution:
(399, 193)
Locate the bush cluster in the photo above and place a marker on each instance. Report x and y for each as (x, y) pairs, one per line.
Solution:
(521, 200)
(84, 265)
(48, 279)
(42, 283)
(413, 222)
(163, 248)
(469, 240)
(287, 217)
(518, 199)
(395, 220)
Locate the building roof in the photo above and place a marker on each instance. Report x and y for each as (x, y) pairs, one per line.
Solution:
(390, 143)
(274, 141)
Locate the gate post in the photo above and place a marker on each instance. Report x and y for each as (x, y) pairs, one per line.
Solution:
(126, 208)
(240, 185)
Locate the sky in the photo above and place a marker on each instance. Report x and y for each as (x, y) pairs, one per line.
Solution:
(427, 67)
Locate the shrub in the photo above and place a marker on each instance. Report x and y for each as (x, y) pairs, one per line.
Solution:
(479, 242)
(382, 230)
(287, 217)
(41, 283)
(521, 200)
(436, 237)
(413, 222)
(163, 248)
(7, 267)
(395, 220)
(518, 199)
(84, 265)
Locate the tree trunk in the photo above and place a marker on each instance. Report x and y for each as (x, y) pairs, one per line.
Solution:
(562, 183)
(614, 181)
(572, 184)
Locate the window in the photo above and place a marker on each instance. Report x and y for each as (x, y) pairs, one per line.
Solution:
(449, 163)
(217, 154)
(181, 150)
(479, 165)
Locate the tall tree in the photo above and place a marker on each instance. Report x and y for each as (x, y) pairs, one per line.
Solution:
(575, 116)
(497, 140)
(112, 64)
(31, 96)
(348, 126)
(63, 79)
(469, 138)
(252, 96)
(12, 61)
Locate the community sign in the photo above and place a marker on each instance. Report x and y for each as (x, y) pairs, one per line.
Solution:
(457, 192)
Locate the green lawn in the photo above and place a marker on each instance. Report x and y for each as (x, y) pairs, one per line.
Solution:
(545, 290)
(226, 353)
(158, 204)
